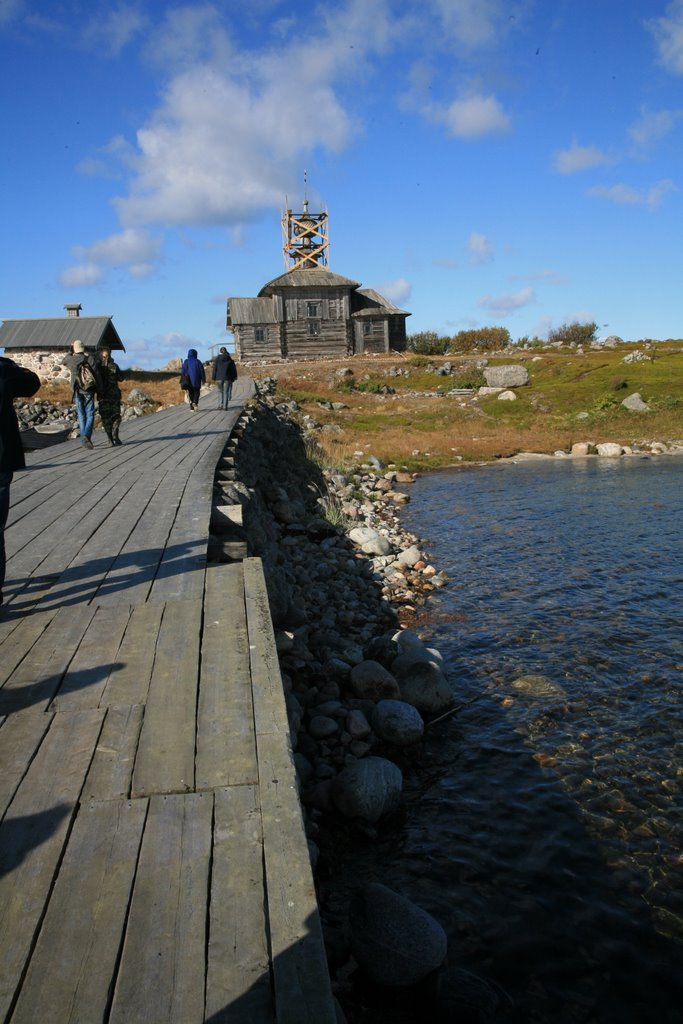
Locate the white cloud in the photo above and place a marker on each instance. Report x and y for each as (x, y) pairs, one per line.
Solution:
(109, 33)
(578, 158)
(480, 248)
(223, 145)
(668, 33)
(503, 305)
(627, 195)
(135, 250)
(190, 36)
(552, 277)
(10, 10)
(473, 23)
(398, 291)
(130, 246)
(653, 126)
(81, 275)
(472, 117)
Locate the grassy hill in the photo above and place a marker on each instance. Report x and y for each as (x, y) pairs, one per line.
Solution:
(570, 397)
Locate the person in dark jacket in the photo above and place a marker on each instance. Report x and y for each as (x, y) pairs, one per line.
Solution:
(224, 373)
(83, 396)
(193, 369)
(15, 382)
(109, 394)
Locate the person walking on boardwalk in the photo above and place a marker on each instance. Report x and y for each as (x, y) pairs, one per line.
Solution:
(224, 373)
(193, 369)
(109, 394)
(84, 387)
(15, 382)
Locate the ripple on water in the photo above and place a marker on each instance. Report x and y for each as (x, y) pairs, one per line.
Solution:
(544, 830)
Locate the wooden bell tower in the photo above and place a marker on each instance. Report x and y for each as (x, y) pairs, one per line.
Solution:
(305, 238)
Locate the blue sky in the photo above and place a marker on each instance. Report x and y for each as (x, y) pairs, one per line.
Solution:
(483, 161)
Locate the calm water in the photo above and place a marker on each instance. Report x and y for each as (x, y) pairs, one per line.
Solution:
(543, 828)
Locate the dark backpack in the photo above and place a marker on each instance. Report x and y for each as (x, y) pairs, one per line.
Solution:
(86, 380)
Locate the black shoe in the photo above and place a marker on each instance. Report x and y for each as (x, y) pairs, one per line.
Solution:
(87, 443)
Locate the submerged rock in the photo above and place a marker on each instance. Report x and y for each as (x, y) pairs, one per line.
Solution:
(396, 942)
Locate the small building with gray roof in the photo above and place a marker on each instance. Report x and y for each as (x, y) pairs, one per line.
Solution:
(40, 344)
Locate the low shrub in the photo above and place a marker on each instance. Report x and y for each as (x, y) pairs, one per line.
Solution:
(483, 338)
(573, 334)
(428, 343)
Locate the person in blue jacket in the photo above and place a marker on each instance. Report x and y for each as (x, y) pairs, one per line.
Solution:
(193, 369)
(15, 382)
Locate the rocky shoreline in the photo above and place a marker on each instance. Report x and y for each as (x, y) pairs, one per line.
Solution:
(344, 581)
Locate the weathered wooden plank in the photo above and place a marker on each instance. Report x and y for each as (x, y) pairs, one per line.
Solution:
(226, 746)
(111, 770)
(97, 550)
(137, 564)
(71, 969)
(20, 737)
(238, 988)
(94, 661)
(17, 637)
(36, 679)
(32, 837)
(303, 993)
(162, 970)
(165, 759)
(270, 714)
(128, 682)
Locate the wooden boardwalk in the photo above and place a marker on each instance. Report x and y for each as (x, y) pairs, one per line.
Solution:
(153, 862)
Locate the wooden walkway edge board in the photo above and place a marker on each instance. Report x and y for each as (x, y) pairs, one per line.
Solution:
(226, 748)
(238, 989)
(161, 975)
(166, 753)
(303, 993)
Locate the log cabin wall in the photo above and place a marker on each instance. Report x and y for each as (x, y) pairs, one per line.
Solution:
(325, 333)
(258, 341)
(375, 336)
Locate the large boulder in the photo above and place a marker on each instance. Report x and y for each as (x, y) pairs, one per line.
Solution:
(635, 403)
(397, 722)
(396, 942)
(370, 541)
(609, 450)
(421, 681)
(372, 681)
(510, 376)
(368, 789)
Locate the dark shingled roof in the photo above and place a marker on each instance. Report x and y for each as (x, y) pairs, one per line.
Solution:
(308, 279)
(252, 311)
(60, 333)
(371, 303)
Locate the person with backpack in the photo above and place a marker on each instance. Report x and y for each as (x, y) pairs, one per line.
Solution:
(15, 382)
(224, 372)
(109, 394)
(193, 370)
(84, 388)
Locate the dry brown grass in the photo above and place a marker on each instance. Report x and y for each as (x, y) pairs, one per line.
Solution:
(427, 431)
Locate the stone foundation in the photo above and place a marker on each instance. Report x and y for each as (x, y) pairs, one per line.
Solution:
(48, 365)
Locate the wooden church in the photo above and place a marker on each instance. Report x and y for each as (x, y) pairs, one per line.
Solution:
(309, 312)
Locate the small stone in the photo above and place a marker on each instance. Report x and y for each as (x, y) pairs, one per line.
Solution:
(321, 727)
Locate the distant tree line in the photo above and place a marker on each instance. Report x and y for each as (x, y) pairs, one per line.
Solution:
(491, 339)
